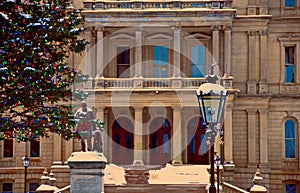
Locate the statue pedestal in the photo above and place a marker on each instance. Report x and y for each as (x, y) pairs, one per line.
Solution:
(87, 172)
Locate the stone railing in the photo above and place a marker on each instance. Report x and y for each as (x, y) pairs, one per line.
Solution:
(166, 84)
(168, 4)
(144, 83)
(229, 188)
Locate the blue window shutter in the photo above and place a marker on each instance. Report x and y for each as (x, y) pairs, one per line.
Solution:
(163, 73)
(164, 55)
(198, 60)
(157, 55)
(157, 73)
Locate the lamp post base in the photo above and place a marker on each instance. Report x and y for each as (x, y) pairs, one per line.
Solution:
(212, 189)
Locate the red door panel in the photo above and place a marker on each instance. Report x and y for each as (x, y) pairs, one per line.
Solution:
(122, 146)
(197, 150)
(160, 141)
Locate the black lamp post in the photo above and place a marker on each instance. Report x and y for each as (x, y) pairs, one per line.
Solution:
(26, 164)
(211, 97)
(218, 164)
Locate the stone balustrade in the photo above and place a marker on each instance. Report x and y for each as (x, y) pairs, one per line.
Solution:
(145, 83)
(148, 5)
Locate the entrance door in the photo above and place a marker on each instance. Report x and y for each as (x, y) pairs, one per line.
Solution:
(197, 149)
(122, 145)
(160, 141)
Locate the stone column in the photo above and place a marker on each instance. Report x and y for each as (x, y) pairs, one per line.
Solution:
(57, 150)
(177, 136)
(93, 52)
(176, 49)
(251, 137)
(216, 44)
(88, 57)
(228, 157)
(107, 137)
(227, 50)
(138, 52)
(99, 48)
(138, 134)
(263, 87)
(263, 133)
(86, 172)
(103, 134)
(251, 84)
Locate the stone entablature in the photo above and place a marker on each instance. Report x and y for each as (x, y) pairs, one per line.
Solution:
(157, 5)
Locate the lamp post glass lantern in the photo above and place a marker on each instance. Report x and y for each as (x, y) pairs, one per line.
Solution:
(26, 164)
(211, 98)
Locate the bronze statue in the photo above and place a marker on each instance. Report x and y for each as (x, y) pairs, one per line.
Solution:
(88, 130)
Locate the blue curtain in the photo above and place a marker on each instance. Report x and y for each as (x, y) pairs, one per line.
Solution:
(290, 139)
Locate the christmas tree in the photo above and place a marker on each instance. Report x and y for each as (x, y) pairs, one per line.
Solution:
(36, 37)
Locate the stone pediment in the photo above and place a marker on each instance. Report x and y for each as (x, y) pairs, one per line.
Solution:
(160, 36)
(198, 36)
(122, 37)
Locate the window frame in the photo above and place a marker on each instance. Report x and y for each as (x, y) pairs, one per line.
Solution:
(7, 182)
(296, 125)
(164, 38)
(290, 182)
(13, 147)
(197, 40)
(31, 149)
(290, 42)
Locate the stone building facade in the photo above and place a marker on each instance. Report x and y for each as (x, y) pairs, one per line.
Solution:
(146, 58)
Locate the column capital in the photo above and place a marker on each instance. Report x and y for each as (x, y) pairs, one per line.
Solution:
(176, 108)
(263, 32)
(138, 108)
(138, 29)
(263, 111)
(252, 33)
(215, 27)
(99, 28)
(227, 28)
(251, 111)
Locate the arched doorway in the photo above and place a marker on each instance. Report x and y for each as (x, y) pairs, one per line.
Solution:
(122, 146)
(197, 150)
(160, 141)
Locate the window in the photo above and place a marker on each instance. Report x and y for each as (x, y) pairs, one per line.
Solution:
(203, 149)
(192, 145)
(160, 61)
(289, 63)
(33, 186)
(8, 148)
(198, 58)
(7, 188)
(290, 188)
(290, 139)
(160, 55)
(128, 141)
(123, 62)
(118, 142)
(165, 143)
(35, 149)
(290, 3)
